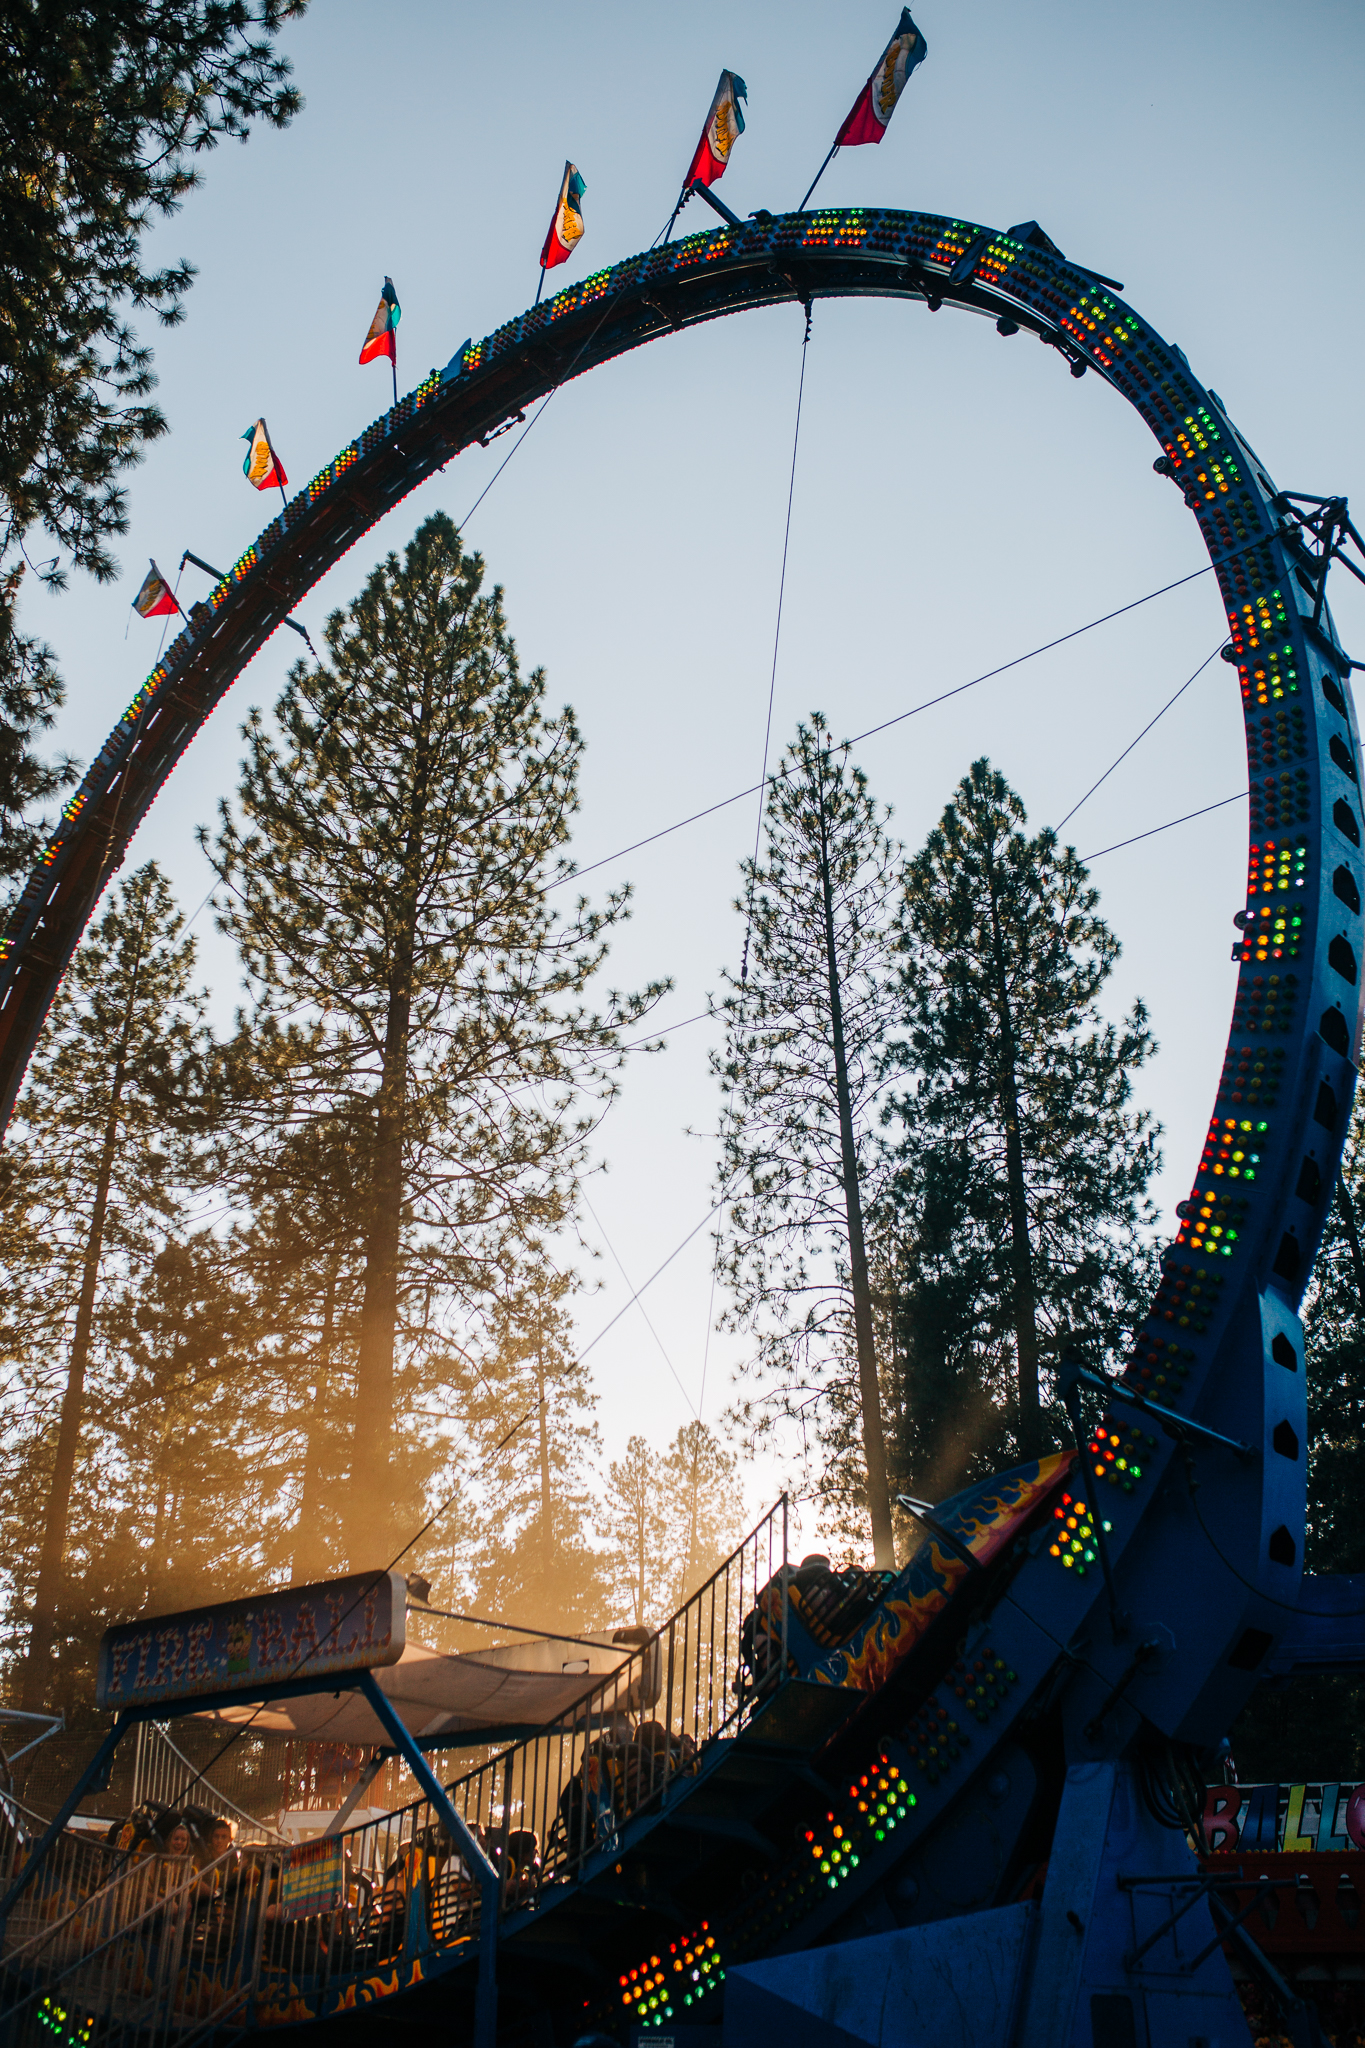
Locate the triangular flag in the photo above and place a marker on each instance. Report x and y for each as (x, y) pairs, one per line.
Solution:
(155, 596)
(382, 339)
(724, 125)
(262, 466)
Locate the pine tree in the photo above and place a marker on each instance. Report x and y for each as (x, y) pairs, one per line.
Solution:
(300, 1254)
(98, 1173)
(1022, 1165)
(1334, 1326)
(537, 1562)
(805, 1029)
(198, 1429)
(637, 1531)
(950, 1359)
(103, 111)
(102, 114)
(387, 895)
(704, 1508)
(31, 695)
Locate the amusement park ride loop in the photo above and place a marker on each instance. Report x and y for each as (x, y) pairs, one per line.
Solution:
(1199, 1530)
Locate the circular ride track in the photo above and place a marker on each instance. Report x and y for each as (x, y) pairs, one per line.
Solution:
(1222, 1341)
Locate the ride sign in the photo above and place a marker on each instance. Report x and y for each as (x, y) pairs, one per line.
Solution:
(300, 1633)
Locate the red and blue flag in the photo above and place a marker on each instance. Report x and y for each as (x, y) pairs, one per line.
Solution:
(876, 103)
(566, 228)
(724, 126)
(382, 339)
(155, 596)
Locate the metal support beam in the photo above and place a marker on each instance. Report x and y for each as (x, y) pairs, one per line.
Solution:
(1173, 1424)
(923, 1511)
(716, 204)
(358, 1790)
(486, 2001)
(52, 1724)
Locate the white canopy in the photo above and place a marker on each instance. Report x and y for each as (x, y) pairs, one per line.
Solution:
(485, 1693)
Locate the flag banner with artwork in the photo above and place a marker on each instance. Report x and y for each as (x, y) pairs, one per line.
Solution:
(566, 229)
(876, 103)
(155, 596)
(382, 339)
(262, 466)
(724, 124)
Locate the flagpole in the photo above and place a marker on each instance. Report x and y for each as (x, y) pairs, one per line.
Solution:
(275, 461)
(176, 602)
(683, 198)
(818, 176)
(393, 365)
(541, 286)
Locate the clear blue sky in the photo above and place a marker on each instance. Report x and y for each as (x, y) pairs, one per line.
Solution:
(959, 498)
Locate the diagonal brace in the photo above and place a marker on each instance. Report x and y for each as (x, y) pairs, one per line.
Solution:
(1174, 1425)
(486, 2001)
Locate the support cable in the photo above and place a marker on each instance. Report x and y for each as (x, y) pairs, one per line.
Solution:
(777, 641)
(1141, 736)
(1221, 804)
(636, 1298)
(927, 704)
(749, 916)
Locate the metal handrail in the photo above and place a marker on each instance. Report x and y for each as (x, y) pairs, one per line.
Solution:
(121, 1947)
(542, 1807)
(633, 1733)
(400, 1891)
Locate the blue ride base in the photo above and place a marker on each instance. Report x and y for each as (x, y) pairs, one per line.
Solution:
(1120, 1951)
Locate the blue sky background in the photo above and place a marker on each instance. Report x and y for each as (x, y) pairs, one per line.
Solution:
(959, 497)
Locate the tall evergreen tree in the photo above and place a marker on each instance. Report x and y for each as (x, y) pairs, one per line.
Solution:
(669, 1518)
(103, 111)
(637, 1532)
(299, 1252)
(31, 695)
(801, 1064)
(1022, 1164)
(704, 1507)
(526, 1383)
(198, 1428)
(387, 894)
(1334, 1326)
(98, 1173)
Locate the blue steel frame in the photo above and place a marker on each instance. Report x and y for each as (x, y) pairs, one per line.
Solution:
(1204, 1544)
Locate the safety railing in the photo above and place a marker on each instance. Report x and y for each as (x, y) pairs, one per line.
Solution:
(163, 1775)
(273, 1935)
(541, 1808)
(75, 1866)
(160, 1952)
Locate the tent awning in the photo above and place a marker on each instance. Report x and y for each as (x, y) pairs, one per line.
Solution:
(482, 1694)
